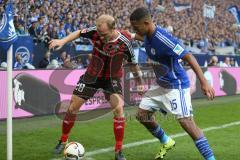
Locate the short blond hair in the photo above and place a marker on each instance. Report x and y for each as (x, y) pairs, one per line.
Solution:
(108, 19)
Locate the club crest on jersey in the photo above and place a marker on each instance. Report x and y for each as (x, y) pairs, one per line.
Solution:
(178, 49)
(153, 51)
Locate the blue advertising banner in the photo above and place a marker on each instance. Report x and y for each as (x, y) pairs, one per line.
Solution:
(24, 47)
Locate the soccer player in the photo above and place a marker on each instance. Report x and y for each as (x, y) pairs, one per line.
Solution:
(110, 48)
(173, 84)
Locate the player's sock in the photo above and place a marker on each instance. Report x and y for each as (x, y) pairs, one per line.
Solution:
(159, 133)
(204, 148)
(211, 158)
(118, 127)
(67, 125)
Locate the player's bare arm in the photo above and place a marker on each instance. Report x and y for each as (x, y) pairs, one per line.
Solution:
(206, 88)
(137, 73)
(59, 43)
(134, 68)
(135, 36)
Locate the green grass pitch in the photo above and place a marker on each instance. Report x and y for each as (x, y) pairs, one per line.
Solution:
(35, 138)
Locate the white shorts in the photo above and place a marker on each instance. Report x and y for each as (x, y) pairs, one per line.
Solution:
(174, 101)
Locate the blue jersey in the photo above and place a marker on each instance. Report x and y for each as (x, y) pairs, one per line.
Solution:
(165, 49)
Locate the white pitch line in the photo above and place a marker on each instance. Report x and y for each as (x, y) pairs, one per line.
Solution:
(134, 144)
(138, 143)
(85, 158)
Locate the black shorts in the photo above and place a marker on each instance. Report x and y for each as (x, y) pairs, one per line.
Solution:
(87, 90)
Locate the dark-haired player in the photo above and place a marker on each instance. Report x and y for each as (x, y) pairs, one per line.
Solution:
(173, 84)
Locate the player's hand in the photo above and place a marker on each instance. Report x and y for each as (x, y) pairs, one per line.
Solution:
(131, 35)
(208, 91)
(128, 33)
(56, 43)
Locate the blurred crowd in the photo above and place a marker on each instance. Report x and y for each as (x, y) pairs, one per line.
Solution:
(46, 19)
(51, 19)
(191, 26)
(227, 62)
(58, 18)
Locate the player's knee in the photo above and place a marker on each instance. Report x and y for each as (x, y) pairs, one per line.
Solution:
(187, 123)
(118, 111)
(72, 109)
(140, 117)
(144, 117)
(116, 101)
(75, 105)
(185, 120)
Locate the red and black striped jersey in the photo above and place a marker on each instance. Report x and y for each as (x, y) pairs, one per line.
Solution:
(107, 58)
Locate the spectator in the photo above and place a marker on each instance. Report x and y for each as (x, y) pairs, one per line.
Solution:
(18, 64)
(53, 65)
(40, 24)
(67, 62)
(79, 63)
(3, 66)
(32, 31)
(43, 36)
(28, 66)
(213, 61)
(89, 58)
(149, 4)
(45, 61)
(54, 33)
(62, 32)
(19, 28)
(233, 62)
(62, 58)
(226, 62)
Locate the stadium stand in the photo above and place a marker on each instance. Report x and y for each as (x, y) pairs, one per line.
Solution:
(47, 19)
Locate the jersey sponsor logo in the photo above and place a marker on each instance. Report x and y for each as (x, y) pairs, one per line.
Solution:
(178, 49)
(153, 51)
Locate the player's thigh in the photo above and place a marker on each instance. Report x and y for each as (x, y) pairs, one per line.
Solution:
(112, 87)
(116, 100)
(178, 102)
(152, 99)
(143, 115)
(187, 122)
(76, 103)
(84, 89)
